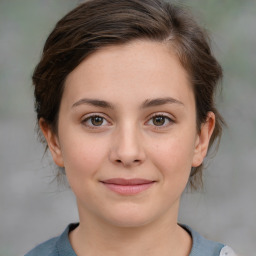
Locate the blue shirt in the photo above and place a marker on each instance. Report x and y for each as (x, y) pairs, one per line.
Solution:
(60, 246)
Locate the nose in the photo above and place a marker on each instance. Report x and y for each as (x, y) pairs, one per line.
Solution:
(127, 148)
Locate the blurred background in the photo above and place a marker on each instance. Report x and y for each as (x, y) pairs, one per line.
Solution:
(34, 208)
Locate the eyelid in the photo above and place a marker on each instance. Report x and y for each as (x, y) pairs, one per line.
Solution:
(164, 114)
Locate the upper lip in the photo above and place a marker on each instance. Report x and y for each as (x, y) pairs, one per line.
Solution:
(126, 182)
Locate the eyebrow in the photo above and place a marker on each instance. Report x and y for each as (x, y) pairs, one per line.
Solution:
(160, 101)
(93, 102)
(146, 104)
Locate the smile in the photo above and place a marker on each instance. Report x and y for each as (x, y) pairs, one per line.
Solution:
(127, 186)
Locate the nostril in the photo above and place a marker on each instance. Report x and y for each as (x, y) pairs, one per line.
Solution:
(134, 161)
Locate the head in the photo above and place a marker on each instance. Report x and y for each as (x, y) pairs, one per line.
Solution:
(98, 24)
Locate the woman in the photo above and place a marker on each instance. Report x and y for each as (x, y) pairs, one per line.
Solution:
(124, 95)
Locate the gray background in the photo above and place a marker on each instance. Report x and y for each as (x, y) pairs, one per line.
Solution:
(33, 209)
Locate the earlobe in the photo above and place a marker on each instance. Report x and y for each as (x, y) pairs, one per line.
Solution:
(203, 139)
(52, 141)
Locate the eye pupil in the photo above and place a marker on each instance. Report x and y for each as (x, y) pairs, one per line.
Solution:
(158, 120)
(97, 120)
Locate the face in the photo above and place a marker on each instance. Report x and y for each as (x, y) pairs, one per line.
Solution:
(127, 134)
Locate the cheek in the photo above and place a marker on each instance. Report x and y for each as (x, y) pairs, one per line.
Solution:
(83, 156)
(173, 156)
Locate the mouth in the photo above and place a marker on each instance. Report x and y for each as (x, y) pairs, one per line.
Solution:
(128, 186)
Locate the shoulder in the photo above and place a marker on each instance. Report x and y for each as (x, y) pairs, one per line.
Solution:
(202, 246)
(47, 248)
(57, 246)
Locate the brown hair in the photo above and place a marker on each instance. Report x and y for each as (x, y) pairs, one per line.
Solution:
(98, 23)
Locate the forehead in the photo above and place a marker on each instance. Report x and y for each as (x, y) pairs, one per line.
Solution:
(143, 68)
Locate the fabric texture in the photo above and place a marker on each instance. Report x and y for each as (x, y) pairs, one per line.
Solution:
(60, 246)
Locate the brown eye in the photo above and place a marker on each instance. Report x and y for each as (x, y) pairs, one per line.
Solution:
(97, 120)
(159, 120)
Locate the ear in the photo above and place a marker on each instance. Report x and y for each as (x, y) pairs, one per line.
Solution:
(52, 141)
(203, 139)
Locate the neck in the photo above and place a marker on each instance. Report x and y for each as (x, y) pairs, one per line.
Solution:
(161, 237)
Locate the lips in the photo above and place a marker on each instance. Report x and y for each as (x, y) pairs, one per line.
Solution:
(127, 182)
(127, 186)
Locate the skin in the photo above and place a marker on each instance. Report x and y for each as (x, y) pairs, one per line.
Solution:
(129, 143)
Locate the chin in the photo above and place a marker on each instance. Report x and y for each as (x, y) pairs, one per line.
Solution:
(130, 218)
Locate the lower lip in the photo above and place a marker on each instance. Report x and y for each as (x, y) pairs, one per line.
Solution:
(128, 189)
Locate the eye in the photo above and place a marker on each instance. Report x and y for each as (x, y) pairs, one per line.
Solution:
(160, 120)
(94, 121)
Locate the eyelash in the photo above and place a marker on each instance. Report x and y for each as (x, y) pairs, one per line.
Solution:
(91, 126)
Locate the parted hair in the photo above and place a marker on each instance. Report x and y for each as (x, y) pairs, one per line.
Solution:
(95, 24)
